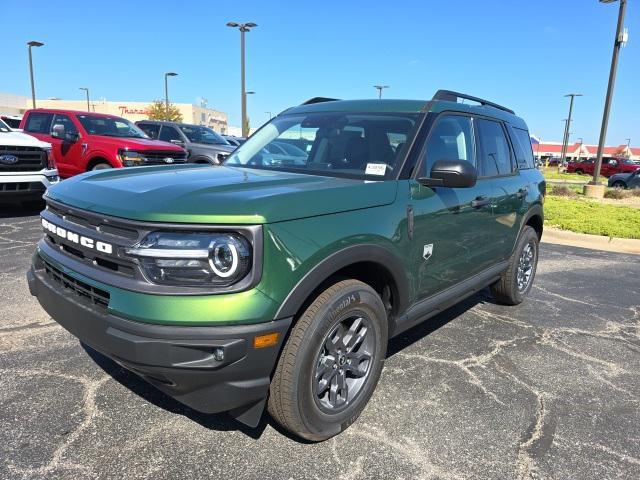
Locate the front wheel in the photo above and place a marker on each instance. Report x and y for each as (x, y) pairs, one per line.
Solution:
(515, 283)
(619, 184)
(331, 362)
(100, 166)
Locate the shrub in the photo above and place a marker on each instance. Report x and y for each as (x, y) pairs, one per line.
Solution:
(562, 191)
(635, 192)
(617, 194)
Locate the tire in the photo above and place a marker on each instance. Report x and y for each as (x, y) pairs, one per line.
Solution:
(297, 400)
(619, 184)
(579, 171)
(100, 166)
(508, 289)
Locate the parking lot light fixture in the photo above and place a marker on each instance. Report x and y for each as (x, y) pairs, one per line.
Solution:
(87, 92)
(380, 88)
(31, 44)
(618, 42)
(243, 27)
(166, 91)
(565, 139)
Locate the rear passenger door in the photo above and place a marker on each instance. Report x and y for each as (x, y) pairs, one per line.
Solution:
(498, 169)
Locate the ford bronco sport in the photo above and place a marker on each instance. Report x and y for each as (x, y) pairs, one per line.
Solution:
(278, 281)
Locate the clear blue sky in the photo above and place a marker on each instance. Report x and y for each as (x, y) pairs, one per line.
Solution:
(524, 54)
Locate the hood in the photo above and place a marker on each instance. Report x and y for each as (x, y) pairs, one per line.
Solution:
(19, 139)
(620, 176)
(218, 148)
(206, 194)
(139, 143)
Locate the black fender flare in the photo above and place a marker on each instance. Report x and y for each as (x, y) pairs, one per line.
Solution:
(203, 159)
(534, 210)
(339, 260)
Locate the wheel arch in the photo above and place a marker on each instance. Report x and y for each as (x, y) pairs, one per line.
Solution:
(371, 264)
(534, 219)
(93, 161)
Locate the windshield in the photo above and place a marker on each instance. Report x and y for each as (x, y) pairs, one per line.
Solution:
(110, 127)
(360, 145)
(4, 127)
(199, 134)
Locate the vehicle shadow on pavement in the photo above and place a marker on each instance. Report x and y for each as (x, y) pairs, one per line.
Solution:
(223, 422)
(17, 209)
(148, 392)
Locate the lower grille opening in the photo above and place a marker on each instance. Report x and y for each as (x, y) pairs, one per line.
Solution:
(86, 292)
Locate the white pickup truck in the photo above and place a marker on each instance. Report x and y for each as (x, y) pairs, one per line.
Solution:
(27, 167)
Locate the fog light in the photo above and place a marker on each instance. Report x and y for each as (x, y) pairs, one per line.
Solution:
(218, 354)
(266, 340)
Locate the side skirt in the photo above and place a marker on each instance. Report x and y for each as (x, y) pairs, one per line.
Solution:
(439, 302)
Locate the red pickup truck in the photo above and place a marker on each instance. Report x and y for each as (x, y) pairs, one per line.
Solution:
(84, 141)
(610, 166)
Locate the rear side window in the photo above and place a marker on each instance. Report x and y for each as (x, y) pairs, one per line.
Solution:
(522, 148)
(39, 123)
(450, 139)
(150, 129)
(169, 133)
(495, 155)
(69, 126)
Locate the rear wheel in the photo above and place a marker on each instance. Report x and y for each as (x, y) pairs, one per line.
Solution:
(619, 184)
(579, 171)
(515, 283)
(331, 362)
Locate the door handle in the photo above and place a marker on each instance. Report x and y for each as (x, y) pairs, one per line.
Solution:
(480, 202)
(522, 192)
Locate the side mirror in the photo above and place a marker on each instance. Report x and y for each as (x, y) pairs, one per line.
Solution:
(452, 174)
(58, 131)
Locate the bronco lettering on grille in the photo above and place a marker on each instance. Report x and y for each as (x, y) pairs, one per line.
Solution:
(76, 238)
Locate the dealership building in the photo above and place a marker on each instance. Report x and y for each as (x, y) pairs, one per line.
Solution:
(134, 111)
(553, 150)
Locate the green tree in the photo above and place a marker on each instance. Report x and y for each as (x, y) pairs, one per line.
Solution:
(158, 111)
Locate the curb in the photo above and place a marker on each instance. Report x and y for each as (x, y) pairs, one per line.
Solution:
(594, 242)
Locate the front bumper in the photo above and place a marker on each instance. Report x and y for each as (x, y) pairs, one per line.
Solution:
(178, 360)
(27, 184)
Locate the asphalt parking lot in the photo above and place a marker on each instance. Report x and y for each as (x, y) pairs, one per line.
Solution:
(549, 389)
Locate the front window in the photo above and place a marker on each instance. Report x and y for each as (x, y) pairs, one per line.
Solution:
(357, 145)
(199, 134)
(110, 127)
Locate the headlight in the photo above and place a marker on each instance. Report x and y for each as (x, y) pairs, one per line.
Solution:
(51, 162)
(131, 159)
(194, 259)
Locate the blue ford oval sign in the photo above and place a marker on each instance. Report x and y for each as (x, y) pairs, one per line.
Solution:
(8, 159)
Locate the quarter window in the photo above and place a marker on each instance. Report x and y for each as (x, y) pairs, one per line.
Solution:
(39, 123)
(450, 139)
(522, 148)
(495, 157)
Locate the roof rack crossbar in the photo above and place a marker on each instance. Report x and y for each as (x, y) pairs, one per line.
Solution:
(318, 100)
(451, 96)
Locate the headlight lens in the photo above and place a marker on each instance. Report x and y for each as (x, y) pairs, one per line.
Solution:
(194, 259)
(131, 159)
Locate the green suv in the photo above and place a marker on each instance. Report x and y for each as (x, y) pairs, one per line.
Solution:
(278, 278)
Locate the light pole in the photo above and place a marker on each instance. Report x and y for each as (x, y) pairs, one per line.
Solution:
(617, 43)
(565, 140)
(380, 88)
(33, 43)
(269, 113)
(87, 92)
(166, 92)
(243, 27)
(628, 147)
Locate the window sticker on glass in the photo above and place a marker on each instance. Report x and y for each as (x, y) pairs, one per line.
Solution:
(376, 169)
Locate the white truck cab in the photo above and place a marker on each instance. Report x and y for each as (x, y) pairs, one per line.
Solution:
(27, 167)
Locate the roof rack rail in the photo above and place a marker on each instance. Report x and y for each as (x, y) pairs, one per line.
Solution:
(319, 100)
(450, 96)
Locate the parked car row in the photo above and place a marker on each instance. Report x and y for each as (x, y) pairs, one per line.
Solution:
(49, 144)
(610, 166)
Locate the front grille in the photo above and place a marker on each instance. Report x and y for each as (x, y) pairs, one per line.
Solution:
(84, 291)
(30, 159)
(156, 157)
(22, 187)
